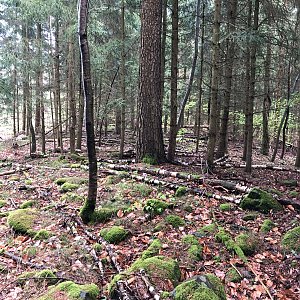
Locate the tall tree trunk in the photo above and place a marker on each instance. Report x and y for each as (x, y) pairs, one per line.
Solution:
(25, 83)
(174, 73)
(90, 204)
(72, 102)
(123, 88)
(265, 145)
(252, 90)
(57, 97)
(149, 128)
(80, 113)
(15, 101)
(229, 62)
(214, 109)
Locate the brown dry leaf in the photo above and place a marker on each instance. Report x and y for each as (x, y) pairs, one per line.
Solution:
(120, 213)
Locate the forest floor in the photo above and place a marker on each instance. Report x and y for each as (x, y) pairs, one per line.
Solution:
(269, 272)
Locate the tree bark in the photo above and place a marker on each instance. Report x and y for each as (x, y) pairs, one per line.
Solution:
(229, 62)
(174, 73)
(90, 204)
(149, 128)
(252, 91)
(214, 109)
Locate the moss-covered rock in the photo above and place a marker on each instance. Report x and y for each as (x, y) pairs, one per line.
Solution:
(247, 242)
(181, 191)
(195, 250)
(22, 220)
(260, 200)
(291, 240)
(39, 276)
(27, 204)
(267, 225)
(73, 291)
(155, 206)
(223, 237)
(42, 234)
(103, 214)
(233, 276)
(68, 187)
(204, 287)
(115, 234)
(158, 268)
(153, 249)
(225, 207)
(175, 221)
(293, 194)
(87, 211)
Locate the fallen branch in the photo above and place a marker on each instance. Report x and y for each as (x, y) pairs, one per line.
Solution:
(14, 171)
(21, 261)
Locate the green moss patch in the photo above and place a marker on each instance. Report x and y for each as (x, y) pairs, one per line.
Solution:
(22, 220)
(260, 200)
(225, 207)
(204, 287)
(68, 187)
(149, 159)
(42, 234)
(73, 180)
(250, 216)
(266, 226)
(2, 203)
(207, 229)
(182, 190)
(175, 221)
(153, 249)
(158, 268)
(72, 197)
(248, 243)
(194, 250)
(27, 204)
(155, 206)
(291, 240)
(38, 276)
(223, 237)
(290, 182)
(73, 291)
(233, 276)
(115, 234)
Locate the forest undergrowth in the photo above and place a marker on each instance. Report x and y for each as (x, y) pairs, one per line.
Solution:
(52, 190)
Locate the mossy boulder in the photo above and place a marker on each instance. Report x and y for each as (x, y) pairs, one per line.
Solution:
(155, 206)
(72, 291)
(267, 225)
(233, 276)
(194, 250)
(115, 234)
(153, 249)
(261, 201)
(175, 221)
(22, 220)
(250, 216)
(68, 187)
(42, 275)
(291, 240)
(202, 287)
(247, 242)
(181, 191)
(225, 207)
(158, 268)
